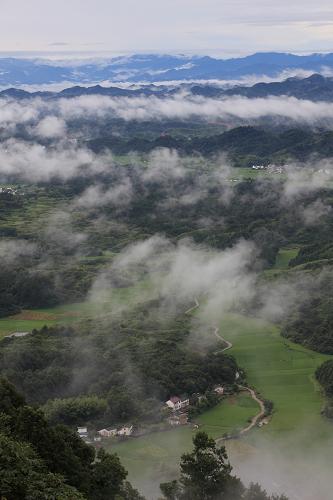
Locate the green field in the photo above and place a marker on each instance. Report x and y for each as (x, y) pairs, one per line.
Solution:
(280, 370)
(284, 256)
(29, 319)
(298, 435)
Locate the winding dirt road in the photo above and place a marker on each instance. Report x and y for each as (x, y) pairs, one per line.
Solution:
(257, 417)
(252, 392)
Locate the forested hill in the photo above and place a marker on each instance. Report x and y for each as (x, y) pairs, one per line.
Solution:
(314, 88)
(40, 461)
(251, 143)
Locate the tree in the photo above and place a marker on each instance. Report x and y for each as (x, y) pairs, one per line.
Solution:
(10, 400)
(74, 411)
(40, 461)
(171, 490)
(108, 476)
(127, 492)
(205, 474)
(255, 492)
(24, 476)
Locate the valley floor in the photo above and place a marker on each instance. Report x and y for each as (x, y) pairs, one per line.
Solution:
(279, 370)
(282, 372)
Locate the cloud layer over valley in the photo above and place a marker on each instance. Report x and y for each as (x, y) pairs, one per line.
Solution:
(48, 118)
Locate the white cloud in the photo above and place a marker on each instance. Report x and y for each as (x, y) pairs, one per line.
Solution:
(49, 118)
(313, 213)
(51, 127)
(178, 273)
(34, 162)
(97, 196)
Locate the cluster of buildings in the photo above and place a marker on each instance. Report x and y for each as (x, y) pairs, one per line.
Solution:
(8, 190)
(259, 167)
(177, 415)
(271, 168)
(124, 431)
(177, 405)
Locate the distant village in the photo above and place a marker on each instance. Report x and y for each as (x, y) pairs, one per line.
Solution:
(9, 191)
(175, 410)
(271, 168)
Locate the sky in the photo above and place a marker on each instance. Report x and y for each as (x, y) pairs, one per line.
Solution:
(215, 27)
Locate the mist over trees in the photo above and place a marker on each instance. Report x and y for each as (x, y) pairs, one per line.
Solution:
(206, 474)
(138, 224)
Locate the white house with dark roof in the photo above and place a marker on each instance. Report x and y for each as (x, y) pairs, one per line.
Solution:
(176, 403)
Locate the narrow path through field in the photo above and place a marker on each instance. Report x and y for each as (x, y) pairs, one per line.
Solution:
(257, 417)
(228, 344)
(252, 392)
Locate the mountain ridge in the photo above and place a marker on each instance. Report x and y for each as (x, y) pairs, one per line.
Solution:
(315, 88)
(158, 67)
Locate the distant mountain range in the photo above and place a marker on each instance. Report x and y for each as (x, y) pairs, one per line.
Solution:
(158, 68)
(314, 88)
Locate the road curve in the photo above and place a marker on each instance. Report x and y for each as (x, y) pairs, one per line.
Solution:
(252, 392)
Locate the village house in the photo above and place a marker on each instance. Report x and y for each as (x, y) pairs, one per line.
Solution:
(107, 432)
(125, 431)
(176, 403)
(219, 390)
(173, 420)
(181, 419)
(82, 432)
(8, 190)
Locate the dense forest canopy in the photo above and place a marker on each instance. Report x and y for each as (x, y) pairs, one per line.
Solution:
(38, 460)
(112, 373)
